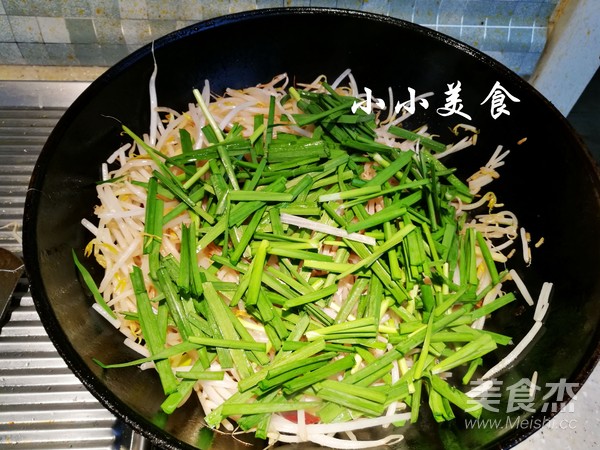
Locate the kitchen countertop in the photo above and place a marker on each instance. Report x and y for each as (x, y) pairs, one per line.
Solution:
(50, 73)
(578, 425)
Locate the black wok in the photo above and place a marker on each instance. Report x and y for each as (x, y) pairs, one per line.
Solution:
(549, 181)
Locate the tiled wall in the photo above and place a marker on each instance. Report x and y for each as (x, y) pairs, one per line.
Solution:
(101, 32)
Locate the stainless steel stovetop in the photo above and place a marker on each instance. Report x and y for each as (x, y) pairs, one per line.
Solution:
(42, 404)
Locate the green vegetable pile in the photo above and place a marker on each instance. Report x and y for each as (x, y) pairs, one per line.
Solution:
(293, 216)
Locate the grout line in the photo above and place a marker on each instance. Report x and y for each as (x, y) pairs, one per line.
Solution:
(490, 27)
(485, 28)
(532, 34)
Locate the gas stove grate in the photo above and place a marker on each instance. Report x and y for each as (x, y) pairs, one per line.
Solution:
(42, 404)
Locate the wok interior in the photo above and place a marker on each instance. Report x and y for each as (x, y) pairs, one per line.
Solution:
(549, 182)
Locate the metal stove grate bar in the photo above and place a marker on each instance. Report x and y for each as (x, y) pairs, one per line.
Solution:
(22, 136)
(42, 404)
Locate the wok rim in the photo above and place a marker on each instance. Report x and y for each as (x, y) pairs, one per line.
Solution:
(30, 249)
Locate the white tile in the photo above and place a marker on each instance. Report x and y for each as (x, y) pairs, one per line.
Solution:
(185, 23)
(54, 30)
(191, 10)
(133, 9)
(241, 5)
(136, 31)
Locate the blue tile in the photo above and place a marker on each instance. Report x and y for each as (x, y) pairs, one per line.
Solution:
(54, 30)
(475, 12)
(260, 4)
(76, 8)
(498, 56)
(133, 9)
(241, 5)
(539, 39)
(348, 4)
(513, 60)
(376, 6)
(62, 54)
(495, 38)
(113, 53)
(191, 10)
(147, 19)
(185, 23)
(500, 13)
(6, 34)
(452, 31)
(520, 40)
(25, 29)
(525, 13)
(10, 53)
(545, 11)
(472, 35)
(402, 10)
(108, 30)
(133, 47)
(321, 3)
(89, 54)
(529, 63)
(160, 28)
(426, 11)
(81, 31)
(105, 8)
(136, 31)
(163, 9)
(49, 8)
(215, 9)
(451, 13)
(35, 53)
